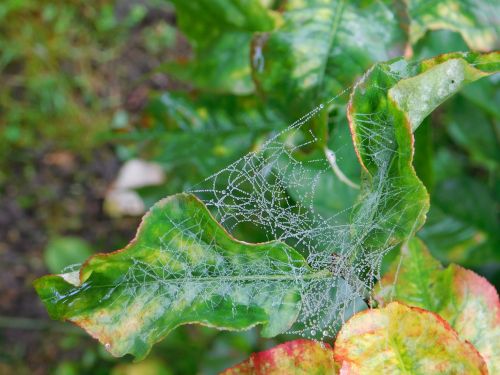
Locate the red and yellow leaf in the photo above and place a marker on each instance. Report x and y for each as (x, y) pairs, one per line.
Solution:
(294, 357)
(399, 339)
(464, 299)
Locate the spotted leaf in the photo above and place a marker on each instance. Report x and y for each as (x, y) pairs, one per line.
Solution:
(399, 339)
(464, 299)
(181, 268)
(299, 357)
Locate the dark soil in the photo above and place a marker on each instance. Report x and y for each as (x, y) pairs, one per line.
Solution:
(49, 193)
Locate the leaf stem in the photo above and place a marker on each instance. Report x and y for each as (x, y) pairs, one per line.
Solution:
(332, 160)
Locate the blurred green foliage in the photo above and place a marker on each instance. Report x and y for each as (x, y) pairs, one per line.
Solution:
(56, 82)
(62, 252)
(188, 351)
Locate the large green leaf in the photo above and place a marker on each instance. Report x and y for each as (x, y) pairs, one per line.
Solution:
(467, 301)
(214, 17)
(476, 20)
(299, 357)
(386, 106)
(320, 48)
(221, 37)
(399, 339)
(223, 66)
(181, 268)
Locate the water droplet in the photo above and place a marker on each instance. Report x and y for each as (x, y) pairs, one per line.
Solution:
(313, 332)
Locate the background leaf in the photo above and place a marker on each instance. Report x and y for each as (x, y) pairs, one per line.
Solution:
(217, 16)
(465, 167)
(476, 20)
(194, 136)
(294, 69)
(62, 252)
(221, 39)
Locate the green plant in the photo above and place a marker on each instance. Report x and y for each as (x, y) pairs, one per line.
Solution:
(303, 52)
(331, 220)
(184, 268)
(396, 337)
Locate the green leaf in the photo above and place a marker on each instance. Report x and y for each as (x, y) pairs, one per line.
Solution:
(299, 357)
(399, 339)
(465, 300)
(471, 128)
(62, 252)
(181, 268)
(415, 278)
(464, 233)
(476, 20)
(461, 224)
(295, 68)
(386, 106)
(221, 39)
(486, 95)
(437, 42)
(423, 154)
(214, 17)
(221, 67)
(439, 79)
(453, 240)
(477, 205)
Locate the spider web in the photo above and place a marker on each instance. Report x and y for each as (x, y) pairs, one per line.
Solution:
(254, 192)
(272, 191)
(192, 264)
